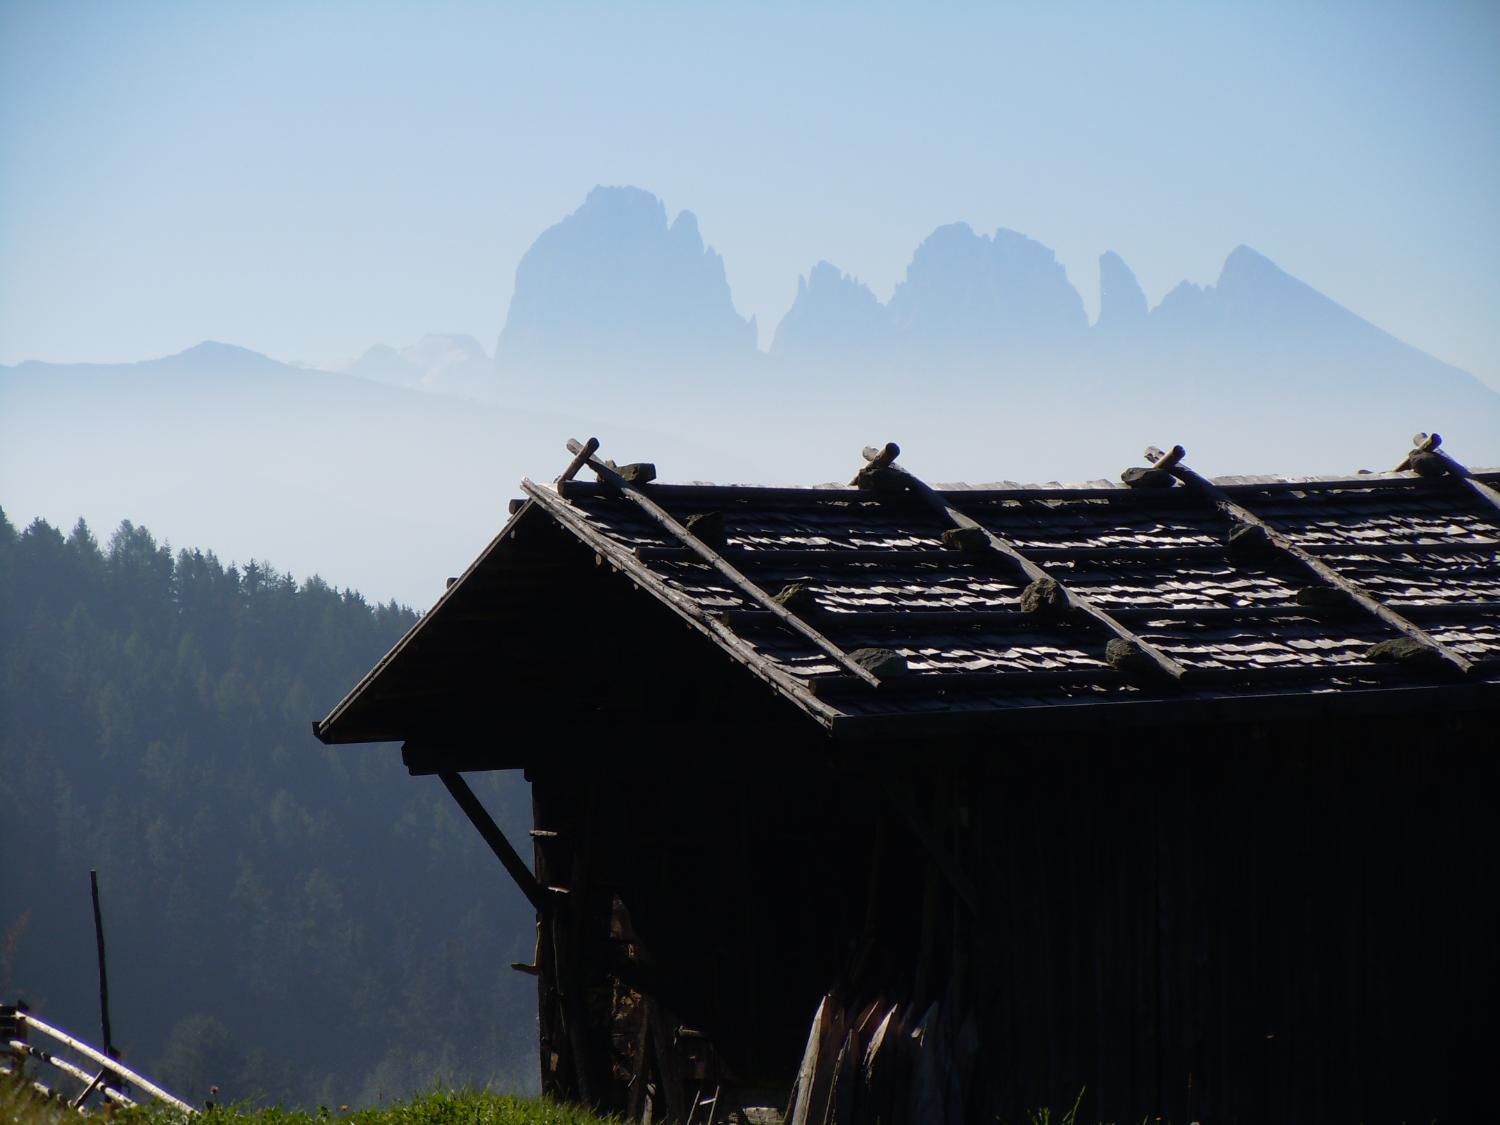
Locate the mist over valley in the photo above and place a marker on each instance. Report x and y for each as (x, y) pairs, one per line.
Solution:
(387, 471)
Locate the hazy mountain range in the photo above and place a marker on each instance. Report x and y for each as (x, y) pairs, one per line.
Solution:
(388, 471)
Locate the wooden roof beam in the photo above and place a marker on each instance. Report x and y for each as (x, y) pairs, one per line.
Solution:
(1427, 454)
(1172, 462)
(933, 556)
(897, 558)
(885, 459)
(621, 559)
(755, 593)
(995, 620)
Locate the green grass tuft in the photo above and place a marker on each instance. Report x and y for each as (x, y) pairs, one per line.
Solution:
(19, 1105)
(440, 1107)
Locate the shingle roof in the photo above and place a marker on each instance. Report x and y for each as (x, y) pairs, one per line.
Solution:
(1154, 602)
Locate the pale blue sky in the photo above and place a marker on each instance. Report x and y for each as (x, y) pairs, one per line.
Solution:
(308, 179)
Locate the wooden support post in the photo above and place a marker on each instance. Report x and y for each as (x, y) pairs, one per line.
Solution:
(567, 938)
(94, 1083)
(13, 1036)
(755, 593)
(668, 1065)
(490, 831)
(109, 1039)
(1325, 573)
(635, 1098)
(1076, 600)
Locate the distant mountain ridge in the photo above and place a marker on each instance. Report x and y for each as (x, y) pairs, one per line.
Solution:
(617, 308)
(614, 286)
(982, 363)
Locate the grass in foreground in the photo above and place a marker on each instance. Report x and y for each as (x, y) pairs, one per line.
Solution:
(442, 1107)
(461, 1107)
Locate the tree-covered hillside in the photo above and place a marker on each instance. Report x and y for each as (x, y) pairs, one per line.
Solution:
(288, 921)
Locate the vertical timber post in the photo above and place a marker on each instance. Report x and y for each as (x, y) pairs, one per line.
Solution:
(109, 1041)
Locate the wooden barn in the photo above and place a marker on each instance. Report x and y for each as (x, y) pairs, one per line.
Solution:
(894, 803)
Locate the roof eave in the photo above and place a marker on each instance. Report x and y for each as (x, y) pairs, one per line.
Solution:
(325, 729)
(685, 607)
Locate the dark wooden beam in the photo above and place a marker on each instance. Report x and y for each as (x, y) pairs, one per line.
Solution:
(1033, 571)
(857, 620)
(901, 558)
(996, 681)
(424, 758)
(1428, 444)
(755, 593)
(1002, 682)
(514, 865)
(895, 558)
(1325, 573)
(622, 559)
(585, 452)
(1007, 620)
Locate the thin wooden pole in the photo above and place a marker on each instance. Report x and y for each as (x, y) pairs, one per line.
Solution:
(109, 1041)
(1208, 490)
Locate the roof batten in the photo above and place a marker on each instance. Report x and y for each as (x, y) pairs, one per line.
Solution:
(1172, 463)
(1426, 451)
(661, 516)
(885, 459)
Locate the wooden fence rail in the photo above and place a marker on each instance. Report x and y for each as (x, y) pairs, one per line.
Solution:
(91, 1072)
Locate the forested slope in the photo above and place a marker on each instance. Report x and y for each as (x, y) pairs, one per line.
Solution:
(289, 921)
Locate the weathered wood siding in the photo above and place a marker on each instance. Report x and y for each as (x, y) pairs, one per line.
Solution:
(1284, 922)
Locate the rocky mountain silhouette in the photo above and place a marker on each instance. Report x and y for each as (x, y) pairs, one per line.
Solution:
(615, 299)
(616, 285)
(1122, 302)
(834, 314)
(974, 294)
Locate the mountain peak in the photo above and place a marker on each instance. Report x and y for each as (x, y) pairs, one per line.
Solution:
(1249, 266)
(834, 315)
(216, 349)
(981, 292)
(221, 357)
(615, 284)
(1122, 302)
(618, 200)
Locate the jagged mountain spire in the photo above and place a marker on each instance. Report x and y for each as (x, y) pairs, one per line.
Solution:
(615, 282)
(834, 315)
(1122, 302)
